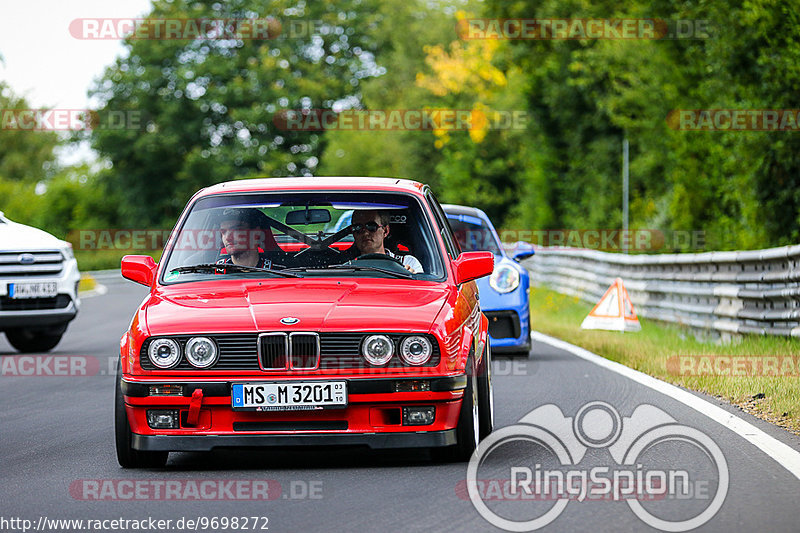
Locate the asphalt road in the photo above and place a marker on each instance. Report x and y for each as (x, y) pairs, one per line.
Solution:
(58, 461)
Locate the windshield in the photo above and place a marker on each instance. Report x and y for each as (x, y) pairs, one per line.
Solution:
(304, 234)
(473, 234)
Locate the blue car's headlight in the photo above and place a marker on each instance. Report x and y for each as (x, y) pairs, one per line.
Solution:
(504, 279)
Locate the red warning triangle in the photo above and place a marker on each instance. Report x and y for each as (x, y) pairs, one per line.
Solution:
(614, 311)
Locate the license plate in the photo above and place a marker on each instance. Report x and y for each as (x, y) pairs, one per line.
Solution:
(43, 289)
(283, 396)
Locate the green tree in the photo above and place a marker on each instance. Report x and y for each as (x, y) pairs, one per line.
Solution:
(402, 29)
(586, 95)
(207, 106)
(26, 155)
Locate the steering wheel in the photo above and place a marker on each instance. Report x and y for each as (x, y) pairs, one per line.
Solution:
(379, 256)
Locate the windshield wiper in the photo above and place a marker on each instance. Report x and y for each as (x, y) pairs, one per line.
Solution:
(354, 268)
(213, 267)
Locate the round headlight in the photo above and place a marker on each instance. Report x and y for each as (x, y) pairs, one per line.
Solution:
(164, 353)
(201, 352)
(504, 279)
(377, 349)
(416, 350)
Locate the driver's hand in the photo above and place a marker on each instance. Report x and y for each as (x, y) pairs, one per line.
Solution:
(409, 269)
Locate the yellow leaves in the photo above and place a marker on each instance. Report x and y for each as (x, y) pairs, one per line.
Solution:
(466, 67)
(479, 126)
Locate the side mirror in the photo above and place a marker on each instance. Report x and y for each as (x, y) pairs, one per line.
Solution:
(473, 265)
(139, 268)
(522, 250)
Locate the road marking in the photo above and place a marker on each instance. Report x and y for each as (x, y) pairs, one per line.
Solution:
(785, 455)
(99, 290)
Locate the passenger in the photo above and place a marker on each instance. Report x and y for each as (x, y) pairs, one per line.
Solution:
(245, 235)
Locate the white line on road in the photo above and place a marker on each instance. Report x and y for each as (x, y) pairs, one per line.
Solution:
(786, 456)
(99, 290)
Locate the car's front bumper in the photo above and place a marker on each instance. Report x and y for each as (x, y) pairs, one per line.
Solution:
(372, 417)
(200, 443)
(63, 308)
(509, 330)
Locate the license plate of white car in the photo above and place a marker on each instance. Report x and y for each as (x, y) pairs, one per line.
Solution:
(42, 289)
(289, 396)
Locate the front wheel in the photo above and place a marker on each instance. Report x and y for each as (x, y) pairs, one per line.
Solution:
(27, 340)
(485, 393)
(127, 456)
(468, 430)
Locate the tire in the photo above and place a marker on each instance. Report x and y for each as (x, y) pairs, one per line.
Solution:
(486, 394)
(468, 429)
(523, 353)
(126, 455)
(27, 340)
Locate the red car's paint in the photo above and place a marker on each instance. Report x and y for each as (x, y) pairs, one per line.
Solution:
(445, 309)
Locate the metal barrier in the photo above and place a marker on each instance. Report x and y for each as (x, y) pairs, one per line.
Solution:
(755, 292)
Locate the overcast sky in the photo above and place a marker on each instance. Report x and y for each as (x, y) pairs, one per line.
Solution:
(45, 63)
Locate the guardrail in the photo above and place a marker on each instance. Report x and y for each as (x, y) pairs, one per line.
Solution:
(729, 293)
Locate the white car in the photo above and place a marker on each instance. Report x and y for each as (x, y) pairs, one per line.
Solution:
(38, 287)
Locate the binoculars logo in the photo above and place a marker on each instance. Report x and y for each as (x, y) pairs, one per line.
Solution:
(537, 467)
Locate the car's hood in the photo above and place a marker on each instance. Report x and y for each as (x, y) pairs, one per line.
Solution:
(333, 305)
(15, 236)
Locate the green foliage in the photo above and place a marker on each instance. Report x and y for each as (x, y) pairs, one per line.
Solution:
(203, 111)
(74, 199)
(402, 30)
(25, 155)
(207, 106)
(741, 188)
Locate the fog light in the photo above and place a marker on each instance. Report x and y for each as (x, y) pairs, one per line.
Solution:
(412, 385)
(418, 416)
(166, 390)
(163, 418)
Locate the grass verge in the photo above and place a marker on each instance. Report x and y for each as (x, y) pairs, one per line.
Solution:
(673, 354)
(107, 259)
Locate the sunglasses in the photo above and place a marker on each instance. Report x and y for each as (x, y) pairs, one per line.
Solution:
(369, 226)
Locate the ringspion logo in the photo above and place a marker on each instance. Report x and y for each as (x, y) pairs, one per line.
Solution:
(672, 477)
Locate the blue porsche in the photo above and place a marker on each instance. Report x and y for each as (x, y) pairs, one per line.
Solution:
(504, 295)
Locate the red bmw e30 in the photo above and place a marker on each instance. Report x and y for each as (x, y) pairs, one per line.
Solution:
(306, 311)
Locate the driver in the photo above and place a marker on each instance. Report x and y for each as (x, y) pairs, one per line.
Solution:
(242, 231)
(370, 228)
